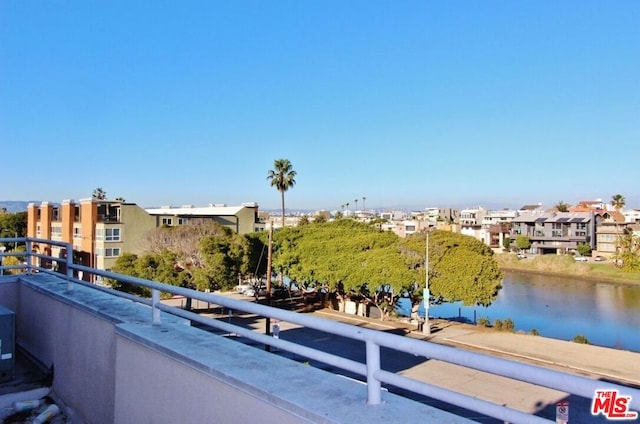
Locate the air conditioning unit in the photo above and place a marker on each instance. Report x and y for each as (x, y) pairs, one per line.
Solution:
(7, 344)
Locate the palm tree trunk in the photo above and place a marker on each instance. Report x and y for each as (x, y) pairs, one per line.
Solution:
(282, 192)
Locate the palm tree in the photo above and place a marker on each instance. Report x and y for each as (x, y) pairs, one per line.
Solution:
(99, 194)
(282, 177)
(562, 207)
(364, 209)
(356, 200)
(618, 201)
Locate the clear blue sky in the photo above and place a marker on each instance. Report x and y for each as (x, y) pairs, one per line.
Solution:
(416, 103)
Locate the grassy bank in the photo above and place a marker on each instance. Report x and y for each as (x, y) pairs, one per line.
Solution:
(565, 265)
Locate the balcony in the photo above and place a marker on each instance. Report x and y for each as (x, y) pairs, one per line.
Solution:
(123, 359)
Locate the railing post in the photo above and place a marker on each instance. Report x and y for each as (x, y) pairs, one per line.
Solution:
(69, 267)
(28, 258)
(155, 312)
(373, 365)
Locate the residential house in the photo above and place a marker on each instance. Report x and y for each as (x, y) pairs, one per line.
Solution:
(496, 227)
(471, 222)
(556, 232)
(608, 232)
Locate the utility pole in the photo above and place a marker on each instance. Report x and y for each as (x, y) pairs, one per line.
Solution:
(426, 327)
(267, 329)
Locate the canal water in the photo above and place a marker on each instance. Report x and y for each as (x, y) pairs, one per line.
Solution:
(606, 314)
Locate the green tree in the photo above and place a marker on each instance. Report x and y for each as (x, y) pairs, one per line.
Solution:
(160, 267)
(13, 225)
(461, 268)
(225, 261)
(523, 242)
(353, 260)
(584, 249)
(628, 251)
(304, 220)
(282, 177)
(319, 219)
(618, 201)
(562, 206)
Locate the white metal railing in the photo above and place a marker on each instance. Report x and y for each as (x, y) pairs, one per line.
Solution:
(373, 340)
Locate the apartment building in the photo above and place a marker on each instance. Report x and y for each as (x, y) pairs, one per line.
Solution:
(102, 230)
(556, 232)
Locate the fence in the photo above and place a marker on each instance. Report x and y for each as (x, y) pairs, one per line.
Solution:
(373, 340)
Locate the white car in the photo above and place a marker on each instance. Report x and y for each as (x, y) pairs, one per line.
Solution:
(580, 258)
(251, 291)
(241, 288)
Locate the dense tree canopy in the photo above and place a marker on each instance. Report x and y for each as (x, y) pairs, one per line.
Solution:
(353, 259)
(349, 259)
(206, 257)
(461, 268)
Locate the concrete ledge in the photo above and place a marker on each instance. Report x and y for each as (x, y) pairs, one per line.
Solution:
(209, 376)
(103, 305)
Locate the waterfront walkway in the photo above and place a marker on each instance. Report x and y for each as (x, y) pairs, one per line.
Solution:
(599, 363)
(605, 364)
(595, 361)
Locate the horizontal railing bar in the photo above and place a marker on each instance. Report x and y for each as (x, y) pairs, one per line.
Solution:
(533, 374)
(454, 398)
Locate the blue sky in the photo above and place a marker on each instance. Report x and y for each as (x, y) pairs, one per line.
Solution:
(406, 103)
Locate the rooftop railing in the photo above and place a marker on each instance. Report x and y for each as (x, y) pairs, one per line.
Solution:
(371, 370)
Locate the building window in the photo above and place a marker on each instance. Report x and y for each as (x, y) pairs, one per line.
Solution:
(167, 221)
(38, 231)
(410, 228)
(112, 234)
(109, 252)
(56, 230)
(182, 221)
(77, 232)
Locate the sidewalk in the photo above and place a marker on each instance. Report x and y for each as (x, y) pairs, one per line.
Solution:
(595, 361)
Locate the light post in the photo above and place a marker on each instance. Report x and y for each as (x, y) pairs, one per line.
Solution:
(426, 328)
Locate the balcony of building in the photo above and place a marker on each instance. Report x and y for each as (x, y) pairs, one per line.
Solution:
(118, 358)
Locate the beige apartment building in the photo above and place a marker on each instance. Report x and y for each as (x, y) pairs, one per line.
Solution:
(102, 230)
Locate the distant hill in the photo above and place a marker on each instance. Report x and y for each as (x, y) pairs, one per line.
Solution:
(13, 206)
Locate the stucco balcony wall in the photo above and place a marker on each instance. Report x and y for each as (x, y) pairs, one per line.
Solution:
(112, 365)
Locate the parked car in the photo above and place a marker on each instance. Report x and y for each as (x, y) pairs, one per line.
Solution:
(241, 288)
(251, 291)
(580, 258)
(599, 258)
(521, 256)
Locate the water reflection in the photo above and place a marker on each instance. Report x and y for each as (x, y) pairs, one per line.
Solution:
(607, 314)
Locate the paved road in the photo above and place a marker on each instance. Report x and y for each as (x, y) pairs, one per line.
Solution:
(592, 361)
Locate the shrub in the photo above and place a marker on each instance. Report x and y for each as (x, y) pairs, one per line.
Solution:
(497, 324)
(508, 325)
(534, 332)
(484, 322)
(580, 339)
